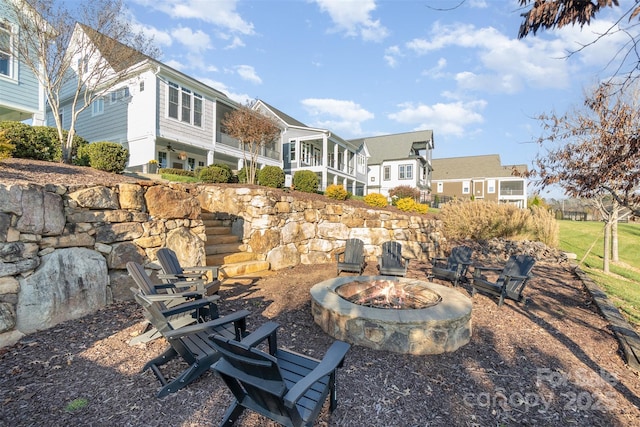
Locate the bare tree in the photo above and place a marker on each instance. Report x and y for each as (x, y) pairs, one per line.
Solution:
(598, 154)
(254, 131)
(77, 53)
(548, 14)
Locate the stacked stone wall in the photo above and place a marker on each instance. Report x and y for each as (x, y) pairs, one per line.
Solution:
(64, 249)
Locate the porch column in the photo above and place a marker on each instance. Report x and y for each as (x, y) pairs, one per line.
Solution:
(210, 157)
(336, 150)
(325, 159)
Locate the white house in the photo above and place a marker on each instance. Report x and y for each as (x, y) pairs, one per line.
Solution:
(21, 95)
(160, 113)
(333, 159)
(402, 159)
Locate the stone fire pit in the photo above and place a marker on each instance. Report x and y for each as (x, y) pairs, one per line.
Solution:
(441, 327)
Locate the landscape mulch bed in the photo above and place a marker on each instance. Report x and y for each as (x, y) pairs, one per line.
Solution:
(550, 361)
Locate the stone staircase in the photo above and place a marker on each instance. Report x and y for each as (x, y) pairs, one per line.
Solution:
(224, 249)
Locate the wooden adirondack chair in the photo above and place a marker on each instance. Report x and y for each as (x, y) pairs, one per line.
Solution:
(286, 387)
(191, 343)
(351, 258)
(391, 262)
(511, 281)
(174, 272)
(157, 293)
(454, 267)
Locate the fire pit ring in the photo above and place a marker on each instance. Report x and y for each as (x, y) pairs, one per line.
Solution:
(439, 328)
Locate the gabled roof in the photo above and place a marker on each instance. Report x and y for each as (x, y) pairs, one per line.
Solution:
(287, 119)
(394, 147)
(118, 55)
(486, 166)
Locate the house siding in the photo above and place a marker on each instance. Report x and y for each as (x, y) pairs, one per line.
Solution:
(20, 93)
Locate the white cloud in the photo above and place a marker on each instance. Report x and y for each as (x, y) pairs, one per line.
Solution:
(247, 72)
(507, 64)
(161, 38)
(235, 42)
(348, 115)
(436, 71)
(478, 4)
(175, 64)
(241, 98)
(449, 118)
(221, 13)
(196, 42)
(354, 18)
(391, 55)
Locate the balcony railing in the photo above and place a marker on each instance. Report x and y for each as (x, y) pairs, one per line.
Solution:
(225, 139)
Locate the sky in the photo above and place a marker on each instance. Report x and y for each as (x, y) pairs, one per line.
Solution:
(373, 67)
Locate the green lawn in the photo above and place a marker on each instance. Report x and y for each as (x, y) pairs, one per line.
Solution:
(585, 239)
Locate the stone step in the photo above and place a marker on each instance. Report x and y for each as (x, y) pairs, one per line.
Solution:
(221, 239)
(217, 230)
(223, 248)
(216, 222)
(229, 258)
(242, 269)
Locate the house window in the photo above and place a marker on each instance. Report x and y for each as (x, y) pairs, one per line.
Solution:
(405, 172)
(440, 187)
(197, 110)
(5, 49)
(200, 164)
(162, 159)
(491, 186)
(97, 107)
(373, 179)
(466, 187)
(362, 164)
(292, 150)
(142, 86)
(192, 163)
(120, 94)
(186, 105)
(387, 173)
(174, 96)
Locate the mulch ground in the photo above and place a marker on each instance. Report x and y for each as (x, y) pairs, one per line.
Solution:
(551, 361)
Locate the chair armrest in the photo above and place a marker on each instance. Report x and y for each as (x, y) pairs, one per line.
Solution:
(477, 270)
(332, 360)
(238, 316)
(267, 330)
(202, 268)
(178, 276)
(190, 305)
(338, 253)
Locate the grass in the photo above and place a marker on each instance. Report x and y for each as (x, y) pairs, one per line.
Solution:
(178, 178)
(622, 284)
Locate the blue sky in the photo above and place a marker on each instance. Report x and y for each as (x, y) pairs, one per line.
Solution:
(372, 67)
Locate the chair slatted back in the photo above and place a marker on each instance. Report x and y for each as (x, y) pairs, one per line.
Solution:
(169, 261)
(517, 265)
(354, 251)
(392, 254)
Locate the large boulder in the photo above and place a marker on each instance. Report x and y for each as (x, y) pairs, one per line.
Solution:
(68, 284)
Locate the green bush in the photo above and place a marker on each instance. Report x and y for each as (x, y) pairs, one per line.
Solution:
(175, 171)
(106, 156)
(242, 175)
(38, 142)
(335, 191)
(403, 192)
(214, 174)
(271, 176)
(305, 181)
(376, 200)
(6, 148)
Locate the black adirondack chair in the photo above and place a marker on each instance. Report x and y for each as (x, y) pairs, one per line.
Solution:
(391, 262)
(190, 343)
(511, 281)
(164, 300)
(286, 387)
(454, 267)
(351, 258)
(197, 276)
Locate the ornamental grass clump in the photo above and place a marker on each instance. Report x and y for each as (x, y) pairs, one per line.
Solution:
(483, 220)
(337, 192)
(376, 200)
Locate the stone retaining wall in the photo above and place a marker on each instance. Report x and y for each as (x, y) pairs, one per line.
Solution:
(63, 249)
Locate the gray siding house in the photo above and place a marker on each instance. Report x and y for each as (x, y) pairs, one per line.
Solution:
(21, 95)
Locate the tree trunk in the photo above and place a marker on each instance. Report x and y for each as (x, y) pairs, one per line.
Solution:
(615, 213)
(607, 246)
